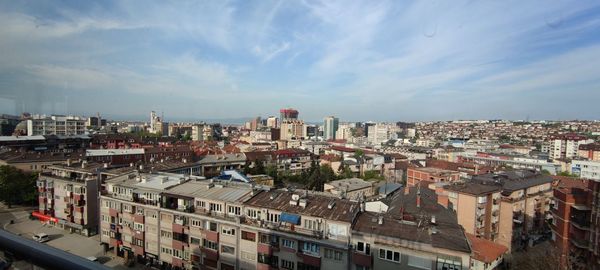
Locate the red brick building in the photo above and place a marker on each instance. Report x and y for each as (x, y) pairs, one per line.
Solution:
(571, 220)
(431, 175)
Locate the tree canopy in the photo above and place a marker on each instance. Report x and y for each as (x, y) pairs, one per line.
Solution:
(16, 186)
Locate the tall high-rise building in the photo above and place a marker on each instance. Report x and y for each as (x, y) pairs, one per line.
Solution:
(288, 114)
(330, 127)
(272, 122)
(255, 123)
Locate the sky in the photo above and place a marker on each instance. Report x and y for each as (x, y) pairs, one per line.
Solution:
(357, 60)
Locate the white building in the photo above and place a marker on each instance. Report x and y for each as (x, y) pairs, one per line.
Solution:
(330, 127)
(586, 169)
(272, 122)
(344, 132)
(56, 125)
(198, 133)
(566, 145)
(379, 133)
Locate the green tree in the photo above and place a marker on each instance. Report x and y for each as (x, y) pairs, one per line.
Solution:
(17, 187)
(368, 175)
(315, 181)
(359, 155)
(259, 168)
(271, 170)
(247, 169)
(327, 173)
(345, 172)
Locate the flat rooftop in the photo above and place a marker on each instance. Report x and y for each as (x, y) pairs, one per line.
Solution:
(213, 190)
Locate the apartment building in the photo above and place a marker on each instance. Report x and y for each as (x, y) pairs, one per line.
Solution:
(293, 160)
(589, 151)
(414, 233)
(430, 175)
(56, 125)
(186, 223)
(586, 169)
(571, 220)
(524, 204)
(68, 197)
(477, 207)
(566, 145)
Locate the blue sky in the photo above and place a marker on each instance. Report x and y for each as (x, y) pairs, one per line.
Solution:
(358, 60)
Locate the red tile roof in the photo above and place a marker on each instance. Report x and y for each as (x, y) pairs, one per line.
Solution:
(485, 250)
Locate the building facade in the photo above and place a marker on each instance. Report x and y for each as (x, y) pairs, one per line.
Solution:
(68, 197)
(330, 127)
(56, 125)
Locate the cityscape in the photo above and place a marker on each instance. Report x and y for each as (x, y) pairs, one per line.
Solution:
(300, 135)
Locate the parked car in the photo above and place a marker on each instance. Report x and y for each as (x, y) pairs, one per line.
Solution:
(41, 237)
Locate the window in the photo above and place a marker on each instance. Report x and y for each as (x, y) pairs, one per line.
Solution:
(215, 207)
(310, 248)
(166, 250)
(249, 236)
(312, 225)
(210, 244)
(194, 240)
(248, 256)
(139, 211)
(227, 249)
(138, 242)
(333, 254)
(419, 262)
(252, 213)
(360, 267)
(106, 218)
(166, 234)
(211, 226)
(273, 217)
(201, 204)
(268, 259)
(389, 255)
(291, 244)
(449, 264)
(228, 231)
(287, 264)
(234, 210)
(364, 248)
(196, 223)
(138, 226)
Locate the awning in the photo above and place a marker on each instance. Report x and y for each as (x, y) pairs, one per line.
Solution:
(43, 217)
(290, 218)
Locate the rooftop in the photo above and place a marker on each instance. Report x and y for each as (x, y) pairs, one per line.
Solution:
(350, 184)
(156, 181)
(485, 250)
(213, 190)
(428, 223)
(316, 204)
(514, 180)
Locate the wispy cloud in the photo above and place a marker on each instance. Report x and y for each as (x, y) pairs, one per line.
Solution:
(358, 59)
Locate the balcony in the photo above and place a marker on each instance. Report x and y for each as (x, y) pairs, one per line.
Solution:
(362, 259)
(211, 236)
(580, 222)
(309, 259)
(580, 243)
(210, 254)
(266, 248)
